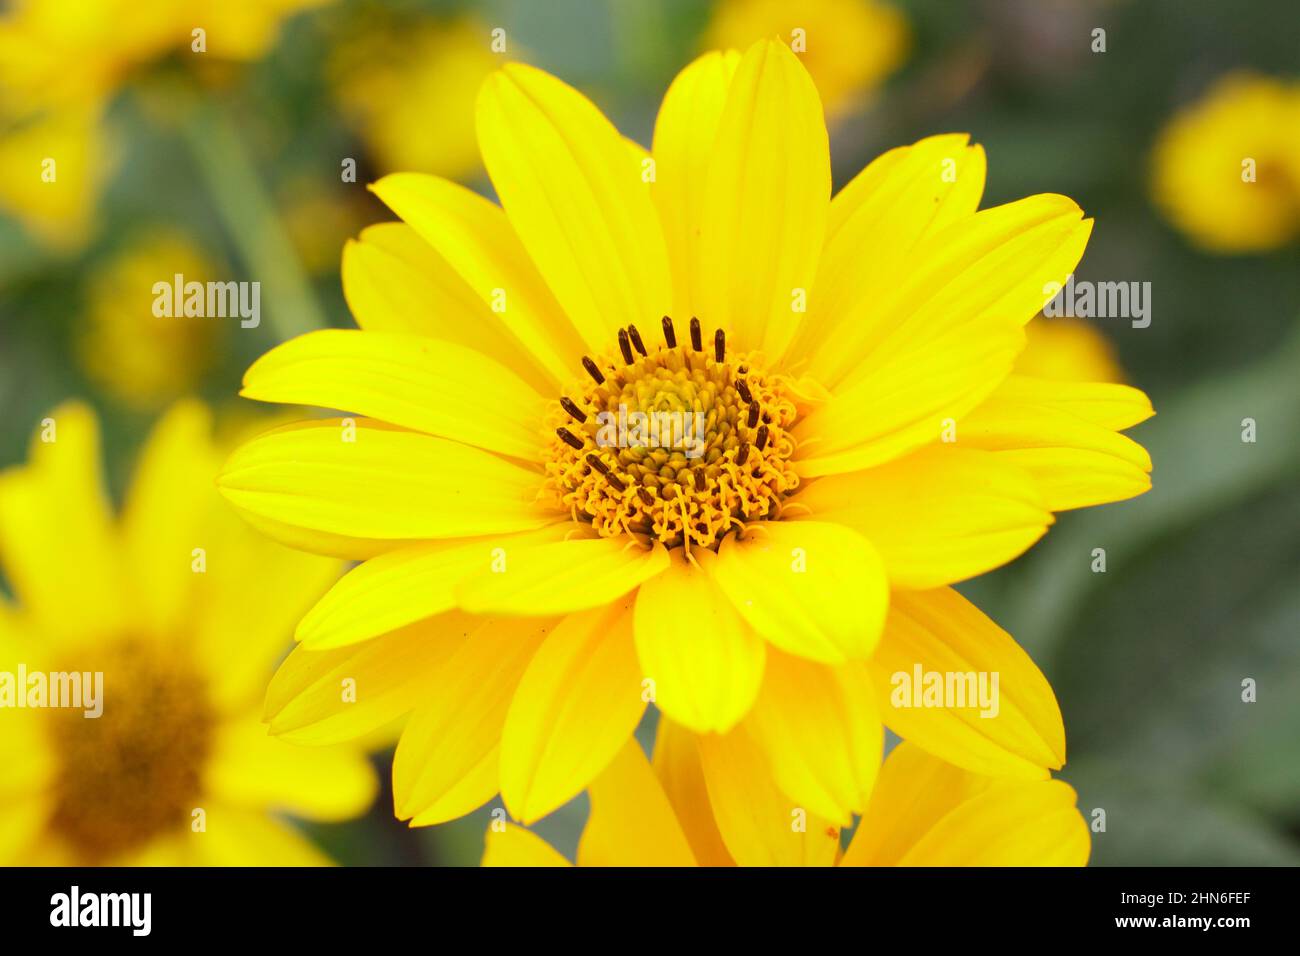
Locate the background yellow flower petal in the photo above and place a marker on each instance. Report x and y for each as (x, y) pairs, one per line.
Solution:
(577, 198)
(705, 661)
(428, 385)
(239, 837)
(514, 846)
(765, 202)
(811, 588)
(577, 704)
(678, 769)
(631, 822)
(944, 633)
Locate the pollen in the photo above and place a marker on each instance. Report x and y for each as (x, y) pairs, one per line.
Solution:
(133, 773)
(680, 441)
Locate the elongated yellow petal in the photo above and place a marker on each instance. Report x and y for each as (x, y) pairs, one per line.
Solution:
(321, 697)
(685, 132)
(1075, 461)
(404, 586)
(424, 384)
(1108, 404)
(705, 661)
(372, 481)
(577, 704)
(58, 547)
(821, 733)
(561, 576)
(473, 236)
(631, 823)
(677, 766)
(760, 825)
(446, 761)
(577, 198)
(394, 281)
(874, 225)
(813, 589)
(938, 644)
(514, 846)
(938, 515)
(765, 201)
(236, 836)
(251, 769)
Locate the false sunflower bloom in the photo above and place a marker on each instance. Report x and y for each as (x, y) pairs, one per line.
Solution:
(923, 812)
(184, 611)
(530, 583)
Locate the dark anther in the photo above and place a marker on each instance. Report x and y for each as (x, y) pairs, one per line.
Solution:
(625, 346)
(570, 439)
(698, 475)
(648, 498)
(670, 334)
(761, 440)
(719, 345)
(613, 480)
(594, 372)
(742, 387)
(743, 453)
(697, 342)
(753, 415)
(599, 465)
(576, 413)
(635, 336)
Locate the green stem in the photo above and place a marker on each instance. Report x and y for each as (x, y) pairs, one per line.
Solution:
(251, 220)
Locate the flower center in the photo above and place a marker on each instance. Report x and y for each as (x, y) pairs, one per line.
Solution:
(680, 444)
(133, 772)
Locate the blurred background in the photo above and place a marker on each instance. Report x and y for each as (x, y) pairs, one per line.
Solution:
(230, 163)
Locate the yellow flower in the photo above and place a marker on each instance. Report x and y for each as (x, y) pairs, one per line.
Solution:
(1226, 170)
(923, 812)
(1067, 350)
(183, 611)
(412, 96)
(532, 578)
(144, 360)
(848, 46)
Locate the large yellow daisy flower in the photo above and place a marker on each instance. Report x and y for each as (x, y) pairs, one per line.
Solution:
(923, 812)
(183, 611)
(531, 580)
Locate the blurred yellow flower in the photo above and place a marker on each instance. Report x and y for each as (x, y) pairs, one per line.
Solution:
(144, 360)
(1226, 169)
(411, 96)
(1067, 350)
(848, 46)
(923, 812)
(533, 575)
(172, 615)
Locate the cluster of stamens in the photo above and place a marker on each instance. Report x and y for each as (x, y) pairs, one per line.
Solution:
(681, 444)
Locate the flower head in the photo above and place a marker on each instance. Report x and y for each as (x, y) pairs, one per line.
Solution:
(848, 441)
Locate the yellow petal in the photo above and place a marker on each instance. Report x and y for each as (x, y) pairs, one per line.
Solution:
(812, 589)
(427, 385)
(58, 546)
(514, 846)
(578, 703)
(760, 825)
(1016, 731)
(1108, 404)
(394, 281)
(821, 733)
(631, 822)
(561, 576)
(939, 515)
(384, 483)
(446, 761)
(1074, 461)
(578, 200)
(249, 768)
(685, 131)
(405, 585)
(321, 697)
(240, 837)
(677, 766)
(705, 661)
(473, 236)
(765, 201)
(874, 225)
